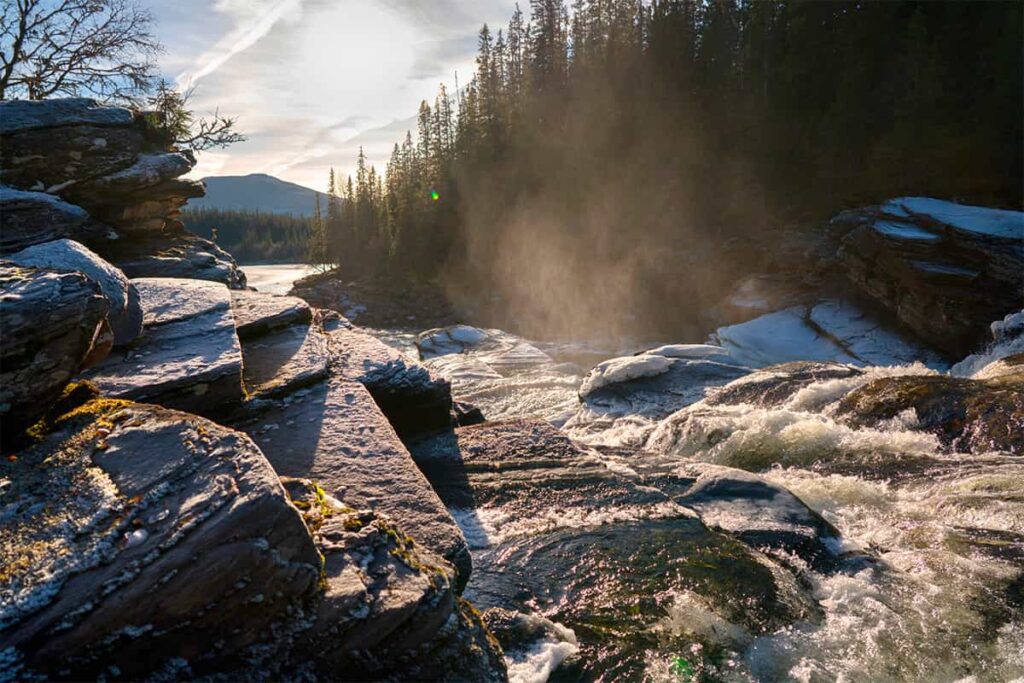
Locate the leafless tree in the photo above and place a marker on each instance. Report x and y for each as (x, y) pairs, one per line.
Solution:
(96, 48)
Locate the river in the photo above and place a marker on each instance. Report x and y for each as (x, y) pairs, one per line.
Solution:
(941, 600)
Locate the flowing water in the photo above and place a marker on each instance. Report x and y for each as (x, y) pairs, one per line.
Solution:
(631, 587)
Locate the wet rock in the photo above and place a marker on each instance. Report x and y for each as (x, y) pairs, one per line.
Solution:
(761, 514)
(124, 312)
(281, 362)
(1007, 340)
(967, 415)
(334, 434)
(257, 314)
(613, 585)
(53, 324)
(30, 218)
(946, 270)
(173, 255)
(775, 385)
(389, 608)
(137, 539)
(414, 399)
(188, 356)
(623, 398)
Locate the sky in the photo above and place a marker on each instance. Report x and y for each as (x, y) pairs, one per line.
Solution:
(312, 80)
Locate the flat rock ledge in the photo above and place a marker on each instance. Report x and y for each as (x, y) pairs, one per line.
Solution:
(188, 356)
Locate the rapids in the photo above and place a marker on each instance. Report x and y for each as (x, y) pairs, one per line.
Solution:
(940, 598)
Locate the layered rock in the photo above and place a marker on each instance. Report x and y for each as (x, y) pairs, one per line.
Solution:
(333, 433)
(946, 270)
(188, 356)
(138, 540)
(53, 324)
(124, 311)
(30, 218)
(116, 165)
(414, 399)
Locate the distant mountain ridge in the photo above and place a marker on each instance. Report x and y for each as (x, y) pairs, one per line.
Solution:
(257, 192)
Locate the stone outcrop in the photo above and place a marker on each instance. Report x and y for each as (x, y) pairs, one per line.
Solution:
(114, 167)
(137, 540)
(188, 356)
(30, 218)
(282, 361)
(257, 314)
(124, 312)
(53, 324)
(334, 433)
(414, 399)
(946, 270)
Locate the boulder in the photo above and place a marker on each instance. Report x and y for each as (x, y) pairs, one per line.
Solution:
(124, 311)
(30, 218)
(967, 415)
(188, 356)
(414, 399)
(775, 385)
(53, 323)
(946, 270)
(257, 314)
(623, 398)
(18, 116)
(139, 542)
(334, 434)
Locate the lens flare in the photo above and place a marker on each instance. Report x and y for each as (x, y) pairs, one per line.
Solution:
(435, 195)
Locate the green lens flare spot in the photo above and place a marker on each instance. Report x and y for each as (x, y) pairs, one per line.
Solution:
(682, 669)
(435, 195)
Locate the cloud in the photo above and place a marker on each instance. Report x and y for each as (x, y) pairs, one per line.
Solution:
(256, 22)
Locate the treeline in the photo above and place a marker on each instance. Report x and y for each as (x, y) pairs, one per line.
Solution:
(251, 236)
(595, 139)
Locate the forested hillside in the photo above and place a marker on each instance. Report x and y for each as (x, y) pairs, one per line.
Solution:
(251, 236)
(595, 139)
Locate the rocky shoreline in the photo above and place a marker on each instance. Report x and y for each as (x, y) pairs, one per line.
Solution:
(204, 481)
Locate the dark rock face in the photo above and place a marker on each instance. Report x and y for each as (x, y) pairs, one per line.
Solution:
(188, 356)
(124, 313)
(946, 270)
(967, 415)
(146, 540)
(111, 163)
(415, 400)
(53, 324)
(30, 218)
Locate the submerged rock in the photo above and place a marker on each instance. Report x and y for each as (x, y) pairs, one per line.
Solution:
(53, 325)
(139, 540)
(967, 415)
(945, 269)
(622, 399)
(124, 312)
(598, 546)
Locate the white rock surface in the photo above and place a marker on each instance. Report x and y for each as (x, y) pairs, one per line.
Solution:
(64, 255)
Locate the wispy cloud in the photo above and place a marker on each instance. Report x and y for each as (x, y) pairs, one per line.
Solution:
(255, 22)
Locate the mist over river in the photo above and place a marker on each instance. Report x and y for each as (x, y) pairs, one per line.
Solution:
(922, 583)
